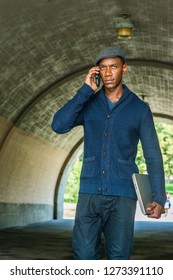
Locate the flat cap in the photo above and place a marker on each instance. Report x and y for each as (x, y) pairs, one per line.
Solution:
(110, 52)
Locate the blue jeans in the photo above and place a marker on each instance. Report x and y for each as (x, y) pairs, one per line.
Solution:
(111, 215)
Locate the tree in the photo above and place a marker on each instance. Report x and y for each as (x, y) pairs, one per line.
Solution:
(165, 133)
(72, 187)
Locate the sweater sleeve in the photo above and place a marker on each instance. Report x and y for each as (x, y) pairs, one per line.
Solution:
(153, 158)
(71, 114)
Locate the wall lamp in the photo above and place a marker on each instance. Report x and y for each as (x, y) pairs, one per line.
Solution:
(124, 27)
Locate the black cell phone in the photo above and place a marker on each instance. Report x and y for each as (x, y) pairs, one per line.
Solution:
(97, 80)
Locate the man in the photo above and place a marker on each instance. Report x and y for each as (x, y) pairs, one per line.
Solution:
(114, 120)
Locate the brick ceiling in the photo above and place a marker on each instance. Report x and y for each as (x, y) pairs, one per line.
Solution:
(47, 46)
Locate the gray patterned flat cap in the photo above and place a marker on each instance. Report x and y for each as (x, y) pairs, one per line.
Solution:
(110, 52)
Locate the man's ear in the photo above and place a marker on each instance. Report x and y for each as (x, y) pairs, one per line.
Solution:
(124, 68)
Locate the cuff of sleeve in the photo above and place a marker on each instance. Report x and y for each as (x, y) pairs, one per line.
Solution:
(87, 90)
(161, 200)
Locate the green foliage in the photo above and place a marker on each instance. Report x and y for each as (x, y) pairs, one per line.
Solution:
(140, 161)
(165, 135)
(169, 188)
(72, 187)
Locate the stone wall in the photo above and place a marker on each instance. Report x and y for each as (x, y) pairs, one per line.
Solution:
(29, 168)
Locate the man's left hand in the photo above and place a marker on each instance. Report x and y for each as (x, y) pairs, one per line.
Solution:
(154, 210)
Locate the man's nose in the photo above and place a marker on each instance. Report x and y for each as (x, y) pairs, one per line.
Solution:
(108, 71)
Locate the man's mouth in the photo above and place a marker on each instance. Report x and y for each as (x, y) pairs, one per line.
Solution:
(108, 81)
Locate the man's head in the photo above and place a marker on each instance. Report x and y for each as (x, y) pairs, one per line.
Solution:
(110, 52)
(112, 66)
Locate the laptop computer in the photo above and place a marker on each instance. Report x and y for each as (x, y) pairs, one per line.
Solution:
(143, 190)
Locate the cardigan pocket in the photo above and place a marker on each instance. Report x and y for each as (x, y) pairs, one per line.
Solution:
(126, 169)
(88, 167)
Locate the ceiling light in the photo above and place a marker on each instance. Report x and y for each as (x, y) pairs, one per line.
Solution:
(124, 27)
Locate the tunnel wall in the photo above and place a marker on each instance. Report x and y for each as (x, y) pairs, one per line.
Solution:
(29, 167)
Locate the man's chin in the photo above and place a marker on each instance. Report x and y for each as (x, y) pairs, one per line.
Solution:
(110, 86)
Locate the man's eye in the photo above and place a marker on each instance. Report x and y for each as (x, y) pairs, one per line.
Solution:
(102, 68)
(113, 66)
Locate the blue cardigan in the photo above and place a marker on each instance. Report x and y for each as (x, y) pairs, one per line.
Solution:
(110, 142)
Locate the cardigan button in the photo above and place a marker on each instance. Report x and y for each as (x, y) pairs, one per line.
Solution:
(99, 189)
(108, 116)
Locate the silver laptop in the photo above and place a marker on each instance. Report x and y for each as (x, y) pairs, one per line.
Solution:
(143, 190)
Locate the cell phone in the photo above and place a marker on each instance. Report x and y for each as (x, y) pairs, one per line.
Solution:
(97, 80)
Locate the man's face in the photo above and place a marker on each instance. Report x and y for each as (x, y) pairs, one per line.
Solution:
(111, 71)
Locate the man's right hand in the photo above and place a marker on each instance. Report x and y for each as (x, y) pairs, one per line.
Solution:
(90, 77)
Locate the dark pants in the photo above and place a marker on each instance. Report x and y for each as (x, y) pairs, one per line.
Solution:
(111, 215)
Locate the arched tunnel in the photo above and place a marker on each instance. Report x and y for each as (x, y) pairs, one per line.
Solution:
(47, 48)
